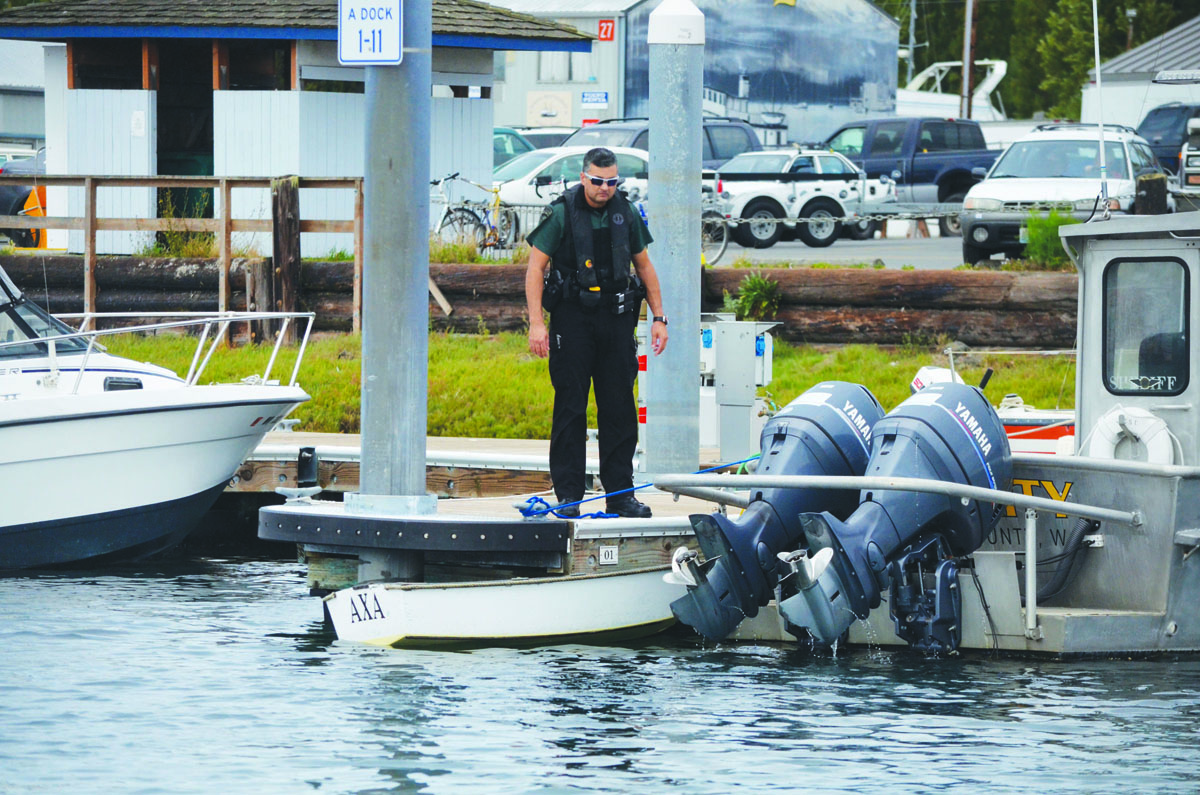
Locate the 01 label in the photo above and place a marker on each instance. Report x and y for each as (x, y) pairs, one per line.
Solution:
(608, 556)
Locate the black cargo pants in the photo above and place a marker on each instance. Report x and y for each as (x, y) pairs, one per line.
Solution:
(592, 348)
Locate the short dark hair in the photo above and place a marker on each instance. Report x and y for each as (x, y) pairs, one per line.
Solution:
(600, 157)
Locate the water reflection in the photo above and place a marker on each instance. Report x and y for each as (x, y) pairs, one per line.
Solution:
(220, 675)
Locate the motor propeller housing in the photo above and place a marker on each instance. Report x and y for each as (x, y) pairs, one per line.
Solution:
(947, 432)
(825, 431)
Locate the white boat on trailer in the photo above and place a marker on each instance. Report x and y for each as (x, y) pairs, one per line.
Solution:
(106, 458)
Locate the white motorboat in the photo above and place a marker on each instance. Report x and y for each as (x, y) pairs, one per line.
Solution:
(106, 458)
(587, 608)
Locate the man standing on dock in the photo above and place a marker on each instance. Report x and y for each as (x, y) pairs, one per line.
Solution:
(592, 234)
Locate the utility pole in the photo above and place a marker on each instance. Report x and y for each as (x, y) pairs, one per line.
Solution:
(912, 40)
(968, 60)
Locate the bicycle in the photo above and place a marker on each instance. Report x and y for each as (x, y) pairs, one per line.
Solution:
(714, 232)
(488, 224)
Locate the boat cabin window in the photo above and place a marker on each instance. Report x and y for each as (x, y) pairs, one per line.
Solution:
(25, 321)
(1146, 327)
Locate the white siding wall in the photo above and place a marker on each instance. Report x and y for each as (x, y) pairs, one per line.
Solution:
(319, 134)
(56, 137)
(255, 134)
(1128, 102)
(331, 145)
(115, 134)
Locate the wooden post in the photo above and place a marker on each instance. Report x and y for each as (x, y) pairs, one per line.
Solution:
(89, 249)
(224, 244)
(260, 296)
(356, 311)
(285, 207)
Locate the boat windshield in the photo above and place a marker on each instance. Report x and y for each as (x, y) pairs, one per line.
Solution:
(1146, 327)
(23, 320)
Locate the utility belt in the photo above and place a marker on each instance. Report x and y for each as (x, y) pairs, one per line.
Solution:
(558, 288)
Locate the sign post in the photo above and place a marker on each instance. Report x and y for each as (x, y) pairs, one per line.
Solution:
(676, 40)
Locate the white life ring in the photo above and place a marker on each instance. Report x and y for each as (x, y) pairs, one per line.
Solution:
(1136, 424)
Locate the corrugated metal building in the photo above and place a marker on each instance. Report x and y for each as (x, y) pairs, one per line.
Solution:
(22, 108)
(1129, 93)
(245, 88)
(818, 63)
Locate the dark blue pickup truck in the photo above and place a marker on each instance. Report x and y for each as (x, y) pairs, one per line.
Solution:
(931, 160)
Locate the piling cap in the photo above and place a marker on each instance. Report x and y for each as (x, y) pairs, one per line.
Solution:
(676, 22)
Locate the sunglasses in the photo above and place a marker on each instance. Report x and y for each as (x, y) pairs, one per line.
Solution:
(611, 182)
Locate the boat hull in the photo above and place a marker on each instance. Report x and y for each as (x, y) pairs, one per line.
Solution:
(131, 534)
(122, 474)
(588, 608)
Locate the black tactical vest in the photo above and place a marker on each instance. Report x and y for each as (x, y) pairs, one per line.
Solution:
(596, 257)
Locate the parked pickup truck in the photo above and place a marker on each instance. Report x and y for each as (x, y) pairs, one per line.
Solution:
(931, 160)
(799, 191)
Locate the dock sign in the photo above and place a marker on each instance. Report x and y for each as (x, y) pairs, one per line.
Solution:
(369, 32)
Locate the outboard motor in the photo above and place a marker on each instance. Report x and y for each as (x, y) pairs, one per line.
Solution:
(945, 432)
(825, 431)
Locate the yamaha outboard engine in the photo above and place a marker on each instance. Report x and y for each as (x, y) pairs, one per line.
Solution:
(825, 431)
(946, 432)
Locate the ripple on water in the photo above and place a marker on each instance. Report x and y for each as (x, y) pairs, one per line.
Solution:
(218, 675)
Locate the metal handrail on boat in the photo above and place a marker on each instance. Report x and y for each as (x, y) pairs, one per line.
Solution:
(205, 319)
(965, 492)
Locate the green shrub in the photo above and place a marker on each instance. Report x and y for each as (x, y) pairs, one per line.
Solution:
(1044, 248)
(758, 298)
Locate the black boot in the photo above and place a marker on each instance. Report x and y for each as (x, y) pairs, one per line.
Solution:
(627, 506)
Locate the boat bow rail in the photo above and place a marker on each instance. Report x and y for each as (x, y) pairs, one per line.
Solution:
(206, 344)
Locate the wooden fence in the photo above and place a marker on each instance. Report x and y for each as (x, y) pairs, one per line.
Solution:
(276, 289)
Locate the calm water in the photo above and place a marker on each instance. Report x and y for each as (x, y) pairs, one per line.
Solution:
(218, 677)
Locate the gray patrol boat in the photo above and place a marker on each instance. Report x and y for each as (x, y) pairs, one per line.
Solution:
(952, 542)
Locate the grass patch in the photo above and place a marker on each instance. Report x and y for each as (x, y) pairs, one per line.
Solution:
(491, 386)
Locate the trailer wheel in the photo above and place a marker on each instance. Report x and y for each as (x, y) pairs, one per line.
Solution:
(760, 227)
(821, 229)
(951, 227)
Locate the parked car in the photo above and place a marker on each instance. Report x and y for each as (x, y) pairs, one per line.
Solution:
(507, 143)
(804, 185)
(36, 164)
(545, 137)
(931, 160)
(1165, 129)
(723, 138)
(1056, 167)
(538, 177)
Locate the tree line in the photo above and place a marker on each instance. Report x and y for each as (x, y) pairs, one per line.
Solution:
(1047, 43)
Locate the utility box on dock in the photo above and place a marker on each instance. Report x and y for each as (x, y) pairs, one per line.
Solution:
(735, 359)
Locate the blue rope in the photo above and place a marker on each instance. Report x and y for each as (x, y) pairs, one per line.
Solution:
(532, 505)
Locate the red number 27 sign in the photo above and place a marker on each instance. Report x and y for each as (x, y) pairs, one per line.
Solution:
(607, 28)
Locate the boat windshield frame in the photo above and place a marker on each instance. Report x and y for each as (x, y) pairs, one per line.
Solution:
(24, 326)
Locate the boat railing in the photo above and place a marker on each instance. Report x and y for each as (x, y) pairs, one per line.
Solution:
(850, 482)
(206, 344)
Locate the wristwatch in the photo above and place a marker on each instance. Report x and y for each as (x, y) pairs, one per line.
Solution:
(659, 319)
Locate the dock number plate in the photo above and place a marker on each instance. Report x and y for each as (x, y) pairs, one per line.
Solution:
(608, 556)
(369, 32)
